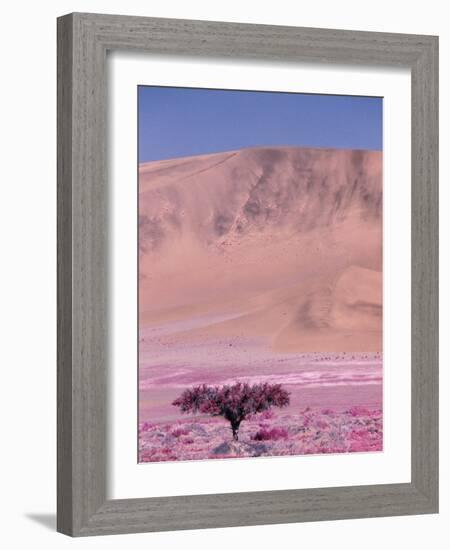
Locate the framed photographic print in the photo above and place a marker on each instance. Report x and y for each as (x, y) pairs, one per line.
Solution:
(282, 306)
(247, 274)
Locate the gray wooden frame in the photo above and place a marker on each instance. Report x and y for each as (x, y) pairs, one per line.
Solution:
(83, 41)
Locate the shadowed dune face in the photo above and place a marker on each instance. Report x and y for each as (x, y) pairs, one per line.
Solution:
(283, 243)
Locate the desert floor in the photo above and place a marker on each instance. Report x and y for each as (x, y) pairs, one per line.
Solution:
(335, 399)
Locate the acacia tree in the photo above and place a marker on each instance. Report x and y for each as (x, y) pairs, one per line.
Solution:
(235, 403)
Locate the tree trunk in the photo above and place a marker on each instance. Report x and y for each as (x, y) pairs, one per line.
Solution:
(235, 430)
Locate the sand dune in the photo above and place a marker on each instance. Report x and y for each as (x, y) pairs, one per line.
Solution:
(280, 243)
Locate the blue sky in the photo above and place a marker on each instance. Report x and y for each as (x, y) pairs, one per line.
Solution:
(179, 122)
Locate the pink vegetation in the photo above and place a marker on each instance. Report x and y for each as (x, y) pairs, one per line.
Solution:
(308, 432)
(235, 403)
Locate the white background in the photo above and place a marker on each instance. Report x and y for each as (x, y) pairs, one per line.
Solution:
(27, 299)
(131, 480)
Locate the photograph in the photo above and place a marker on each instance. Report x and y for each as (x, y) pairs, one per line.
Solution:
(260, 274)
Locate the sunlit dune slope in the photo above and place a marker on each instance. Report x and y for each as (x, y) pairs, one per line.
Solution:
(287, 241)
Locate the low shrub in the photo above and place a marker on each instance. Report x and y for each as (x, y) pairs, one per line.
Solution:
(270, 435)
(180, 431)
